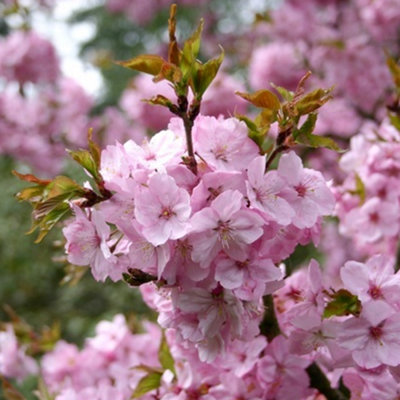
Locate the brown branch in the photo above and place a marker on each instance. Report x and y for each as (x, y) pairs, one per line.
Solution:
(269, 326)
(319, 381)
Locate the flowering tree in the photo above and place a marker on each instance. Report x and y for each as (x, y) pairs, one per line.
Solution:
(203, 215)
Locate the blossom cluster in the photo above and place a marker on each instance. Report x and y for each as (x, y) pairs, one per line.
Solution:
(335, 40)
(56, 108)
(14, 362)
(368, 199)
(359, 345)
(361, 342)
(213, 240)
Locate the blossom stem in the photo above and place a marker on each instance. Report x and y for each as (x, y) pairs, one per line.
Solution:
(319, 381)
(188, 115)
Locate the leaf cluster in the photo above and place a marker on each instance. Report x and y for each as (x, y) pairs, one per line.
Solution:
(342, 303)
(181, 68)
(51, 199)
(294, 112)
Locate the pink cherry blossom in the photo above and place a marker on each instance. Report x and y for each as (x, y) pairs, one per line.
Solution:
(373, 337)
(14, 362)
(281, 373)
(26, 57)
(310, 197)
(87, 244)
(162, 210)
(223, 143)
(264, 192)
(225, 225)
(374, 280)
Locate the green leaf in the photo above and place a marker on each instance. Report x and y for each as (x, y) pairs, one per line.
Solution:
(47, 223)
(164, 355)
(43, 208)
(264, 119)
(86, 160)
(307, 128)
(31, 194)
(395, 120)
(191, 47)
(316, 141)
(286, 94)
(50, 200)
(189, 53)
(312, 101)
(252, 130)
(160, 100)
(94, 149)
(170, 72)
(343, 303)
(251, 125)
(359, 190)
(148, 383)
(304, 136)
(204, 74)
(262, 99)
(173, 48)
(148, 63)
(394, 70)
(62, 185)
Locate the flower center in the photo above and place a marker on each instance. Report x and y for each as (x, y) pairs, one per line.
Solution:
(224, 230)
(220, 153)
(374, 217)
(376, 331)
(301, 190)
(375, 292)
(166, 213)
(242, 264)
(295, 294)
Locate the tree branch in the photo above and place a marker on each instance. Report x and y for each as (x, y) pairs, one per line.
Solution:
(319, 381)
(269, 326)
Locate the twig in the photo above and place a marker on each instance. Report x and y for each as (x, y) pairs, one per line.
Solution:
(319, 381)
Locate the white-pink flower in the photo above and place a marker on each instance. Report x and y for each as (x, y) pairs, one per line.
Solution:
(374, 337)
(264, 191)
(310, 196)
(225, 225)
(374, 280)
(87, 244)
(162, 209)
(14, 362)
(223, 143)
